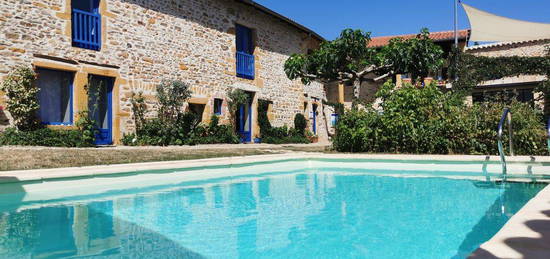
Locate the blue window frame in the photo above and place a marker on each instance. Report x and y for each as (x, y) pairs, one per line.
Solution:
(55, 96)
(245, 52)
(218, 106)
(86, 24)
(334, 119)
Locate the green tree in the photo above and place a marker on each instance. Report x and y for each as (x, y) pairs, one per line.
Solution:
(236, 98)
(417, 56)
(349, 59)
(300, 123)
(171, 95)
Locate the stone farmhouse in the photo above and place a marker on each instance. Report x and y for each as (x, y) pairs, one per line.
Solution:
(130, 46)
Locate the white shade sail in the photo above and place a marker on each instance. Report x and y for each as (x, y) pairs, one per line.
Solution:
(489, 27)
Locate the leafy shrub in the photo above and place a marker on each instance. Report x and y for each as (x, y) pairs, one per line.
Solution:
(285, 138)
(283, 135)
(129, 139)
(87, 127)
(154, 132)
(427, 120)
(213, 134)
(44, 137)
(22, 97)
(186, 130)
(280, 135)
(300, 123)
(263, 120)
(139, 108)
(171, 96)
(173, 126)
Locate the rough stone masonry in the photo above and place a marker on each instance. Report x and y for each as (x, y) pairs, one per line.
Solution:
(147, 41)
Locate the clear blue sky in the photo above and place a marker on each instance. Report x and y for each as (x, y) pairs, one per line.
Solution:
(391, 17)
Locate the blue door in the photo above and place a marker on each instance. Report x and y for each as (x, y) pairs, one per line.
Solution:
(314, 115)
(245, 123)
(100, 107)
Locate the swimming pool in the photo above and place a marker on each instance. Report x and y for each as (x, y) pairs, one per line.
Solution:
(297, 209)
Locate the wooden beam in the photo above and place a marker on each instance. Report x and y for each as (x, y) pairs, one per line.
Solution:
(341, 93)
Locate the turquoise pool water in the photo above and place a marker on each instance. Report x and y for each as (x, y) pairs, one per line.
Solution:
(301, 214)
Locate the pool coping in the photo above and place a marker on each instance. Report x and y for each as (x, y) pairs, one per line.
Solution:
(101, 170)
(525, 235)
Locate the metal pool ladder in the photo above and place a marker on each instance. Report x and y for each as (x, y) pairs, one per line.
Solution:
(506, 116)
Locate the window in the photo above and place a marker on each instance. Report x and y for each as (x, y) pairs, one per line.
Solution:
(197, 109)
(55, 96)
(218, 106)
(334, 119)
(524, 95)
(91, 6)
(245, 52)
(86, 24)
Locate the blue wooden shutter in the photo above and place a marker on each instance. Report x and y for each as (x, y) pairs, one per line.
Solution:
(86, 24)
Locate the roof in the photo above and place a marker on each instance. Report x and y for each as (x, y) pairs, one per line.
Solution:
(503, 44)
(282, 17)
(435, 36)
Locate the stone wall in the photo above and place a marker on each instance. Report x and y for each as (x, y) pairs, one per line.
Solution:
(147, 41)
(537, 48)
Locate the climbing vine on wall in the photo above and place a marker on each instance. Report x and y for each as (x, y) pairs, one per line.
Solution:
(472, 70)
(263, 120)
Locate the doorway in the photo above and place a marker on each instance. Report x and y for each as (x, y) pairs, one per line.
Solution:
(244, 120)
(100, 107)
(314, 118)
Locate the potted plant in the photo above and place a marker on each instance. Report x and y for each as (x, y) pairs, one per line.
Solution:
(312, 137)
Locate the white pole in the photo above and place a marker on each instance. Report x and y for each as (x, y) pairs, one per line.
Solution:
(456, 23)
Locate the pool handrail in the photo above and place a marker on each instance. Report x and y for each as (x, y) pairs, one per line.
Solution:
(506, 116)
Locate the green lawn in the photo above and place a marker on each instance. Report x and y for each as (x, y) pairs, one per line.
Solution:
(22, 158)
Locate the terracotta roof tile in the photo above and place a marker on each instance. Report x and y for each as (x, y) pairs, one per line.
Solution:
(435, 36)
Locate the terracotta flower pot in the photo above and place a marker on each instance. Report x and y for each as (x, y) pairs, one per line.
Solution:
(313, 139)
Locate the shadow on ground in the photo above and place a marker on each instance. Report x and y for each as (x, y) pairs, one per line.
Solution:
(527, 247)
